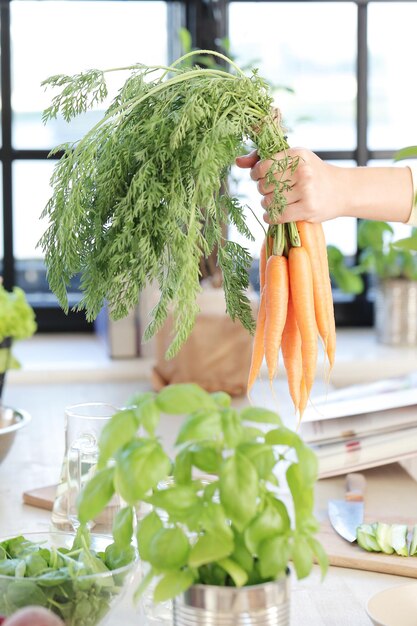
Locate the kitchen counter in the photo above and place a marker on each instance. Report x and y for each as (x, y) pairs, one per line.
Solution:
(35, 461)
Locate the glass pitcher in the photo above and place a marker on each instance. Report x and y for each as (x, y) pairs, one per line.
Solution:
(83, 425)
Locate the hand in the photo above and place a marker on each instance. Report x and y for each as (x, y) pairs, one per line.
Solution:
(317, 192)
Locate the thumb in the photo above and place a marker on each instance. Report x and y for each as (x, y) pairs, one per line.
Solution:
(248, 160)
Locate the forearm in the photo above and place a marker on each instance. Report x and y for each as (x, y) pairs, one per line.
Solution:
(377, 193)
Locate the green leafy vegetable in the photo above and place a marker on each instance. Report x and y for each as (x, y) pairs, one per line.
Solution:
(80, 592)
(229, 527)
(141, 197)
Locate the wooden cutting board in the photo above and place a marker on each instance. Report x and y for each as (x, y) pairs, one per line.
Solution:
(341, 553)
(41, 497)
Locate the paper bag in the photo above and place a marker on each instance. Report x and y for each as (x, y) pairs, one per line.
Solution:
(216, 355)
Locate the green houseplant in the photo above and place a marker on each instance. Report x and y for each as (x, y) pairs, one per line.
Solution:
(228, 528)
(393, 264)
(17, 321)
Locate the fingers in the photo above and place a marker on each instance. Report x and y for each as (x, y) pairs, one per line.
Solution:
(248, 160)
(292, 213)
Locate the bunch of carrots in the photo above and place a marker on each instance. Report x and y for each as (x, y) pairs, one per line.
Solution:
(296, 307)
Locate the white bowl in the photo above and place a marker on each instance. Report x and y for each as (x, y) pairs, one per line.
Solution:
(396, 606)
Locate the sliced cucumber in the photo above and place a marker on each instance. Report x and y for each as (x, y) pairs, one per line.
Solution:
(365, 535)
(413, 546)
(383, 537)
(399, 539)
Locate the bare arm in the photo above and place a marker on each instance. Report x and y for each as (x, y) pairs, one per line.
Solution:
(320, 191)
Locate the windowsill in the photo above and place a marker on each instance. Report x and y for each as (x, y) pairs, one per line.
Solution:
(83, 358)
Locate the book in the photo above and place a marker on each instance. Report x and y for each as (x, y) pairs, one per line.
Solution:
(359, 410)
(363, 425)
(360, 453)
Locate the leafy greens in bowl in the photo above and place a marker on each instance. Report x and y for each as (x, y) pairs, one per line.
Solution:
(78, 577)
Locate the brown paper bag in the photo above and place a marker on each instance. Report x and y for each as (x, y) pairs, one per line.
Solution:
(216, 355)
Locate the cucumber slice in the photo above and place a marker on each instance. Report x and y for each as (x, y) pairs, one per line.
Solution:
(413, 546)
(399, 539)
(365, 535)
(383, 537)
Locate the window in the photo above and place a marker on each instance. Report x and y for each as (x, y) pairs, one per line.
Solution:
(55, 37)
(349, 65)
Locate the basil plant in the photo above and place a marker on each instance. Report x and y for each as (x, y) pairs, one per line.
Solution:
(232, 507)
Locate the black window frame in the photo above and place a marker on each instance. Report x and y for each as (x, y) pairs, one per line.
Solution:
(207, 21)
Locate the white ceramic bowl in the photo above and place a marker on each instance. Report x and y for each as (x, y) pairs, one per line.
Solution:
(11, 420)
(396, 606)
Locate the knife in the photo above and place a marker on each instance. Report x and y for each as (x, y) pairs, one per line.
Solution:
(346, 515)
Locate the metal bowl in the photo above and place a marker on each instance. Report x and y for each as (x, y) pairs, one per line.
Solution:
(11, 420)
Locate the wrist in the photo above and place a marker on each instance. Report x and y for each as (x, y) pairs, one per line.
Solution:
(378, 193)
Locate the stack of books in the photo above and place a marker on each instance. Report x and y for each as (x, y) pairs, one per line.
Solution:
(363, 426)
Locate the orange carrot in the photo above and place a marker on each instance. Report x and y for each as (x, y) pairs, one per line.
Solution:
(301, 285)
(303, 400)
(258, 345)
(309, 240)
(291, 354)
(276, 304)
(258, 340)
(322, 250)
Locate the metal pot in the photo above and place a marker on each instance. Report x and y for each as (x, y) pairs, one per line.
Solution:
(258, 605)
(396, 312)
(11, 420)
(4, 345)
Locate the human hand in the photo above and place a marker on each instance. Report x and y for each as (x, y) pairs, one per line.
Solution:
(33, 616)
(317, 190)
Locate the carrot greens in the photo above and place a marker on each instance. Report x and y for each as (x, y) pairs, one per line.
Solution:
(142, 195)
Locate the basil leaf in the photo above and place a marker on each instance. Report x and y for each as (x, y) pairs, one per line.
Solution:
(274, 554)
(268, 523)
(210, 547)
(231, 427)
(173, 584)
(302, 556)
(236, 573)
(256, 414)
(178, 501)
(262, 457)
(116, 433)
(203, 424)
(239, 489)
(123, 527)
(140, 466)
(147, 528)
(184, 398)
(169, 549)
(97, 492)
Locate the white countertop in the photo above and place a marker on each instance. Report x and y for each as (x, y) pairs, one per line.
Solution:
(35, 461)
(84, 358)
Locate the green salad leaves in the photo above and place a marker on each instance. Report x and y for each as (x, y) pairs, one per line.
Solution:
(76, 583)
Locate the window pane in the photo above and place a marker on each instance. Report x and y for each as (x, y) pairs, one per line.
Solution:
(311, 48)
(69, 36)
(31, 191)
(392, 52)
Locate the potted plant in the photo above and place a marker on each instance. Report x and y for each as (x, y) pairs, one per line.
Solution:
(17, 321)
(217, 527)
(394, 266)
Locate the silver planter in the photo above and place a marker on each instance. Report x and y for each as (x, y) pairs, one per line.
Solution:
(396, 312)
(260, 605)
